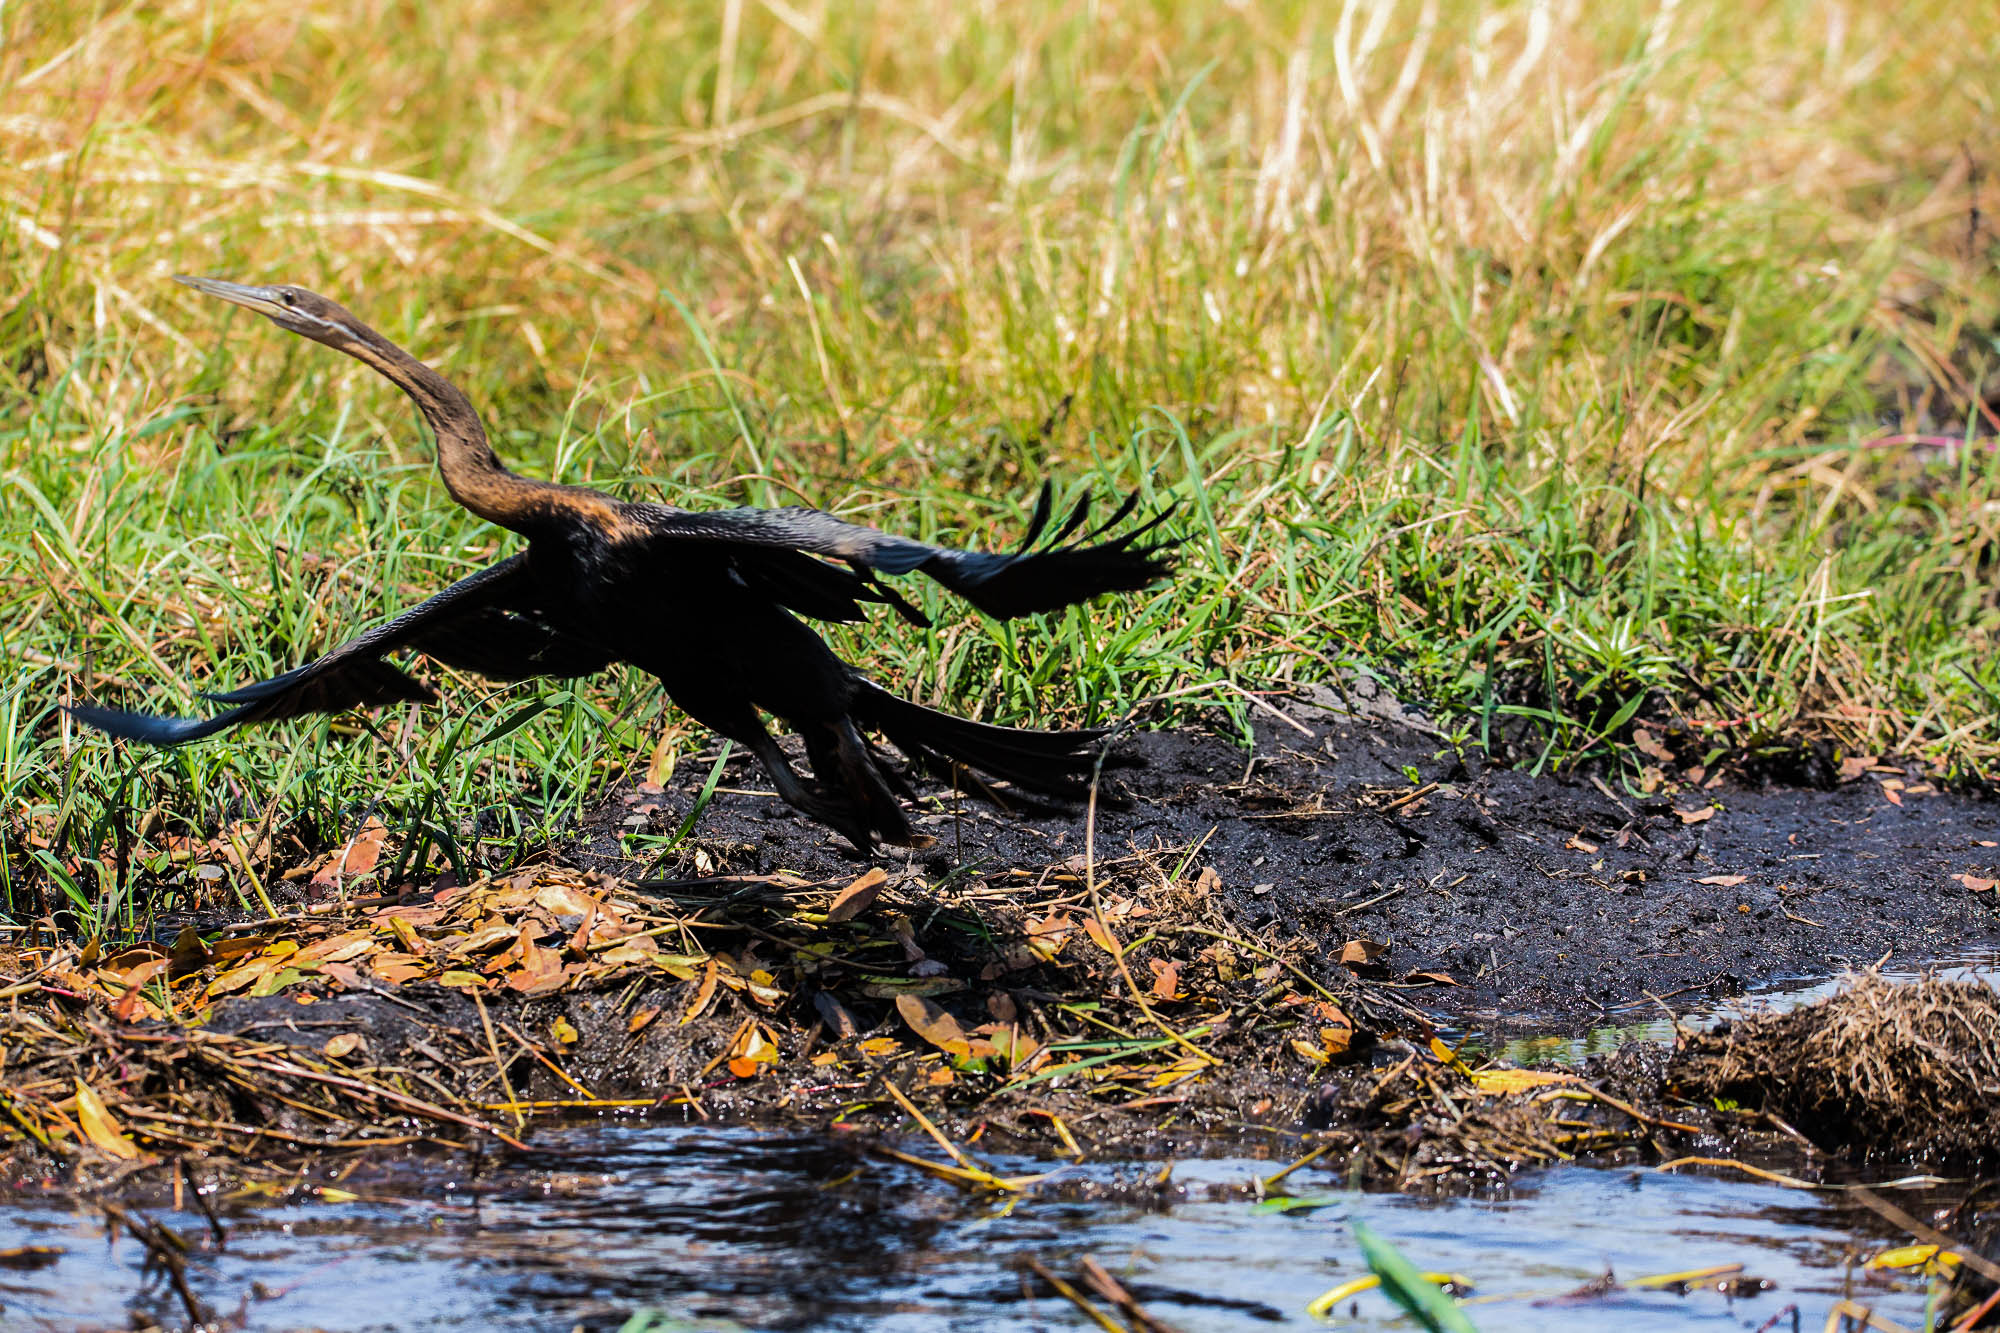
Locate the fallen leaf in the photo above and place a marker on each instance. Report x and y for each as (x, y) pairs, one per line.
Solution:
(1310, 1051)
(359, 857)
(1099, 935)
(859, 896)
(933, 1024)
(641, 1018)
(1577, 844)
(460, 979)
(753, 1048)
(1723, 881)
(1496, 1082)
(340, 948)
(1854, 766)
(565, 1031)
(1706, 813)
(1360, 953)
(406, 935)
(562, 900)
(703, 994)
(1976, 884)
(1166, 978)
(101, 1126)
(344, 1045)
(834, 1014)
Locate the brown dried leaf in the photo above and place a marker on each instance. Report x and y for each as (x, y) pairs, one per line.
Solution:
(1976, 884)
(1701, 816)
(1100, 935)
(1723, 881)
(563, 900)
(1360, 953)
(359, 858)
(933, 1024)
(859, 896)
(1166, 978)
(344, 1045)
(703, 994)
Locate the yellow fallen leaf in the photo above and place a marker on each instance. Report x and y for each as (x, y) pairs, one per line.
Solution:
(100, 1126)
(565, 1031)
(1310, 1051)
(1497, 1082)
(1914, 1256)
(1447, 1056)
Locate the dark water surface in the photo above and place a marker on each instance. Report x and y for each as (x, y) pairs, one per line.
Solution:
(735, 1228)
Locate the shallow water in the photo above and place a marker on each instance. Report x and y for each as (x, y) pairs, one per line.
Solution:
(740, 1229)
(1644, 1021)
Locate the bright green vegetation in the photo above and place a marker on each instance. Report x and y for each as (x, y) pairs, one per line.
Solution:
(1572, 366)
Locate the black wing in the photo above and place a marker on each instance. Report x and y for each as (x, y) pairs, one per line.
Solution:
(475, 624)
(1021, 582)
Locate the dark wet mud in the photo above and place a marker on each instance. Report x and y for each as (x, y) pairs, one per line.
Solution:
(1541, 898)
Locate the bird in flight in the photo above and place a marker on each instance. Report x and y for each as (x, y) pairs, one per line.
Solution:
(709, 602)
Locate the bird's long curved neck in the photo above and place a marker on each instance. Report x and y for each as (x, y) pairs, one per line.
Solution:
(472, 472)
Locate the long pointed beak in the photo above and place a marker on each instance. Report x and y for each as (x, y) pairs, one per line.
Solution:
(263, 300)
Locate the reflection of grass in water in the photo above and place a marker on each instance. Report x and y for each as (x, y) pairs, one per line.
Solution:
(1532, 361)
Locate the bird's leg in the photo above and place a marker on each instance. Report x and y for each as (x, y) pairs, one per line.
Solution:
(740, 723)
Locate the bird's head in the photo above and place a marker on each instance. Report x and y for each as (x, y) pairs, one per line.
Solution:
(293, 309)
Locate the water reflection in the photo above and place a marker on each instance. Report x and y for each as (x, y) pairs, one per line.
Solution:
(747, 1230)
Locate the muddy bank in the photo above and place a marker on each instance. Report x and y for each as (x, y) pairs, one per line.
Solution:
(1251, 957)
(1538, 898)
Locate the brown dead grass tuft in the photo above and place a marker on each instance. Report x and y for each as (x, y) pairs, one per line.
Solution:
(1880, 1070)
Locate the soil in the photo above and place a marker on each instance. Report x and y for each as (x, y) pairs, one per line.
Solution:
(1545, 901)
(1304, 911)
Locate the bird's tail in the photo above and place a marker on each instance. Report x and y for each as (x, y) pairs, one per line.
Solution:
(1054, 763)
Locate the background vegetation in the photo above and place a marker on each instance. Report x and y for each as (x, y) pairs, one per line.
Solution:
(1574, 366)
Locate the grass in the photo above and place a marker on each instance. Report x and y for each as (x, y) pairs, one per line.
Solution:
(1577, 368)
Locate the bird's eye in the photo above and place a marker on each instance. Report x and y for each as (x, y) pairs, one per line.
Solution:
(290, 297)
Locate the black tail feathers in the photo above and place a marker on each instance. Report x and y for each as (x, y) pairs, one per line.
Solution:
(1052, 763)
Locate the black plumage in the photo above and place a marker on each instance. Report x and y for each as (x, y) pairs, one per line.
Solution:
(707, 601)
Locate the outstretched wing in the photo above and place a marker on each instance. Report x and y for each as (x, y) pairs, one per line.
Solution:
(476, 624)
(1047, 571)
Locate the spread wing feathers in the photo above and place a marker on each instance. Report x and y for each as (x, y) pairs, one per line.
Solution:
(468, 625)
(1047, 571)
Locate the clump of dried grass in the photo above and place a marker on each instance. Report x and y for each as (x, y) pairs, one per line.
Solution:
(1879, 1070)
